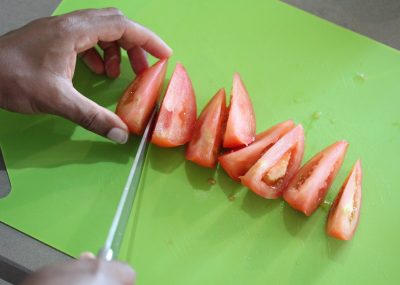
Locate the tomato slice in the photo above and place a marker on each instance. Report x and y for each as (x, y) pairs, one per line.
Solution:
(308, 188)
(138, 101)
(204, 147)
(345, 211)
(241, 125)
(238, 162)
(272, 172)
(177, 117)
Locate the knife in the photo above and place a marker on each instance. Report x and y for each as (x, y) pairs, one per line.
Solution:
(116, 232)
(5, 184)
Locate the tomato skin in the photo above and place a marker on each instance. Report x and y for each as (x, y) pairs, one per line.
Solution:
(177, 116)
(291, 143)
(309, 186)
(205, 145)
(140, 97)
(241, 125)
(344, 214)
(238, 162)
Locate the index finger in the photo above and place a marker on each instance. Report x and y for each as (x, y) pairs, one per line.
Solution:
(109, 28)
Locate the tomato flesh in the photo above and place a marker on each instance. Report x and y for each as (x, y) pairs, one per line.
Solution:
(271, 173)
(276, 173)
(241, 125)
(139, 99)
(238, 162)
(205, 145)
(177, 116)
(344, 214)
(309, 186)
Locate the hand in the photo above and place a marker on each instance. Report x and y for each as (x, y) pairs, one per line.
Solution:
(38, 61)
(85, 271)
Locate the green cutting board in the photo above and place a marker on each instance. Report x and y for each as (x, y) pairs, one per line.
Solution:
(339, 85)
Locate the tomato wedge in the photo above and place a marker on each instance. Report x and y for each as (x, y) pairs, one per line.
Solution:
(138, 101)
(308, 188)
(177, 117)
(271, 173)
(204, 147)
(241, 125)
(345, 211)
(238, 162)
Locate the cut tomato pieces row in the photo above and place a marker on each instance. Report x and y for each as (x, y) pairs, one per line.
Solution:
(269, 164)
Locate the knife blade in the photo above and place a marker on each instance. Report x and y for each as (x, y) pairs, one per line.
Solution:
(116, 232)
(5, 184)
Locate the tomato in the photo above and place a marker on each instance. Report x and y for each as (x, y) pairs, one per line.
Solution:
(204, 147)
(238, 162)
(177, 116)
(140, 98)
(345, 211)
(241, 125)
(308, 188)
(271, 173)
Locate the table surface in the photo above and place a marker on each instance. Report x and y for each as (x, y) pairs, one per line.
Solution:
(373, 20)
(376, 19)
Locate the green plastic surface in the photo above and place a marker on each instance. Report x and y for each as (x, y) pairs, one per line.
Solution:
(339, 85)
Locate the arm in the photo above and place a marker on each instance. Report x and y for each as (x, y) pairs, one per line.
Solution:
(85, 271)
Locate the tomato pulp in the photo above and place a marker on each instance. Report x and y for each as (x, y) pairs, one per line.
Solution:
(271, 173)
(308, 188)
(344, 214)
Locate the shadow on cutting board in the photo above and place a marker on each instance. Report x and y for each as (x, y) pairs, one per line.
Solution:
(45, 144)
(230, 187)
(201, 178)
(257, 206)
(298, 224)
(165, 160)
(45, 141)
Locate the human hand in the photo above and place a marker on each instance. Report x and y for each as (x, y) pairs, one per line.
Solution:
(38, 61)
(85, 271)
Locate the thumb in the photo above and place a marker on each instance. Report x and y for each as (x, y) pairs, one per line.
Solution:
(91, 116)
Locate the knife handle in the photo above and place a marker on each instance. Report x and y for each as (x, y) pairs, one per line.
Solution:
(106, 253)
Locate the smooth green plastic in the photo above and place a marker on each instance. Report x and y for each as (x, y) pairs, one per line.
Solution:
(339, 85)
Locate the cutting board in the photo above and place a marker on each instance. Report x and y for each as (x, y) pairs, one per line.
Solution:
(185, 229)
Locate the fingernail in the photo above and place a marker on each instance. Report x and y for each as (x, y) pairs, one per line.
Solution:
(87, 255)
(118, 135)
(112, 67)
(170, 50)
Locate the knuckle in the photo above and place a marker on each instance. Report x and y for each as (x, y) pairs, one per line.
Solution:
(89, 119)
(120, 20)
(114, 10)
(64, 24)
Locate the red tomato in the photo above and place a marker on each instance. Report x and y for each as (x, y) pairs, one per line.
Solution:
(177, 117)
(140, 98)
(271, 173)
(345, 212)
(237, 163)
(308, 188)
(241, 125)
(204, 147)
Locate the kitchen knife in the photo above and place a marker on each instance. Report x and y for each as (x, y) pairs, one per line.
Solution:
(5, 184)
(116, 232)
